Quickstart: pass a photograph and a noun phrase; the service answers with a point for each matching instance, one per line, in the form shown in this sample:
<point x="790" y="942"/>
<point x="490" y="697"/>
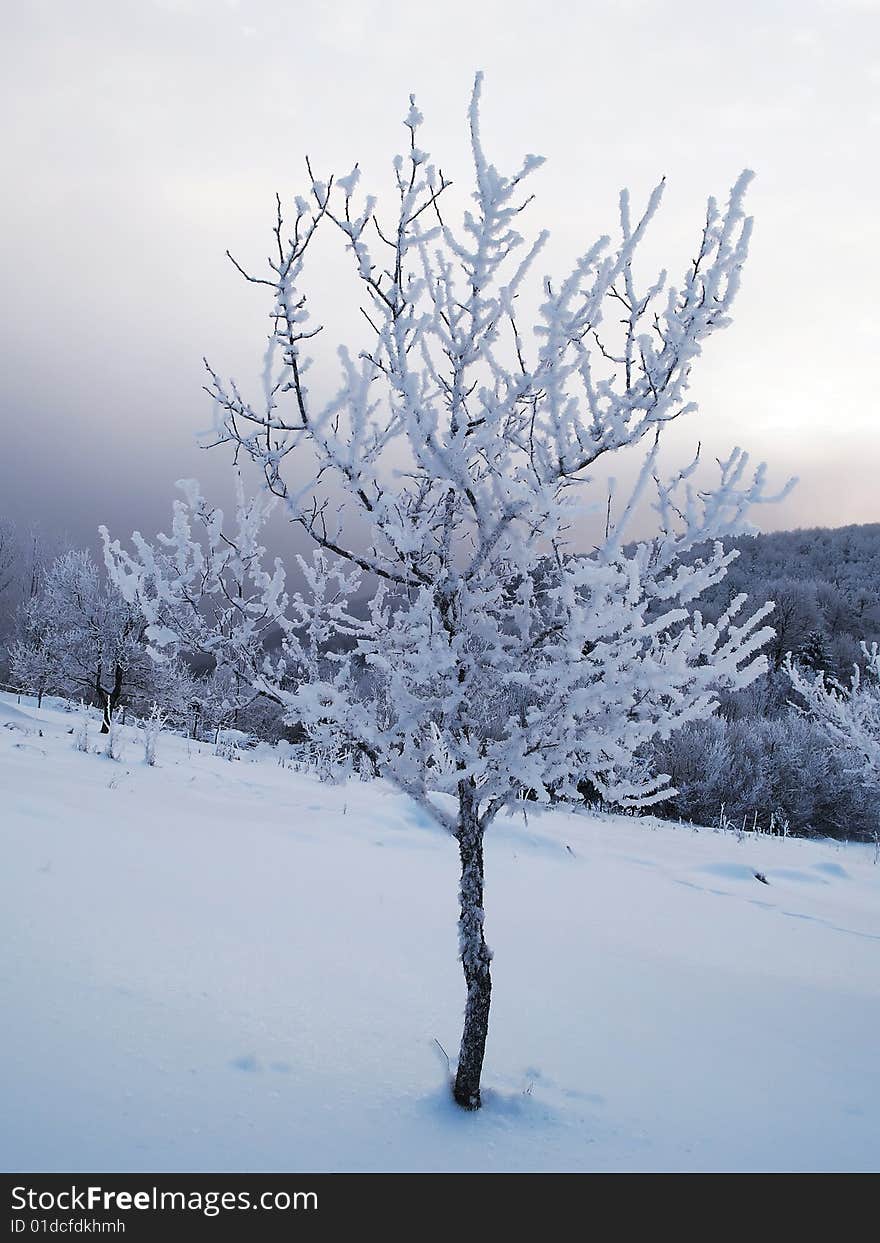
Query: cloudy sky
<point x="142" y="139"/>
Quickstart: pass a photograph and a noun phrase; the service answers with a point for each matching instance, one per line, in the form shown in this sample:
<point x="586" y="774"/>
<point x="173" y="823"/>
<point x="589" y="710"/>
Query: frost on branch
<point x="849" y="716"/>
<point x="534" y="665"/>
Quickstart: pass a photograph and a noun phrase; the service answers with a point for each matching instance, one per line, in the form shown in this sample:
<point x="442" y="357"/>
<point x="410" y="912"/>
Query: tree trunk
<point x="475" y="954"/>
<point x="109" y="699"/>
<point x="103" y="700"/>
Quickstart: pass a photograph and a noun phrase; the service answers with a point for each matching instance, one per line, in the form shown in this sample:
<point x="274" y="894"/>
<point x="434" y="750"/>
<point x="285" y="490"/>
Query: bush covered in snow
<point x="785" y="770"/>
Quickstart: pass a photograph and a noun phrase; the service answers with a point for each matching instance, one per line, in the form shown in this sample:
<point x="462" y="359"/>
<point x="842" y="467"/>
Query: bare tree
<point x="496" y="656"/>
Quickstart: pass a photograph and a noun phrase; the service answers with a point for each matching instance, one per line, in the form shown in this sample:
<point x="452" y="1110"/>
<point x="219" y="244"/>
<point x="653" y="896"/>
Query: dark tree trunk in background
<point x="109" y="700"/>
<point x="475" y="953"/>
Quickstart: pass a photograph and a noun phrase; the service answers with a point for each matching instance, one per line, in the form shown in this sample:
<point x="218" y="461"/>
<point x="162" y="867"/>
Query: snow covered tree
<point x="795" y="617"/>
<point x="848" y="715"/>
<point x="10" y="555"/>
<point x="33" y="667"/>
<point x="10" y="583"/>
<point x="446" y="479"/>
<point x="81" y="637"/>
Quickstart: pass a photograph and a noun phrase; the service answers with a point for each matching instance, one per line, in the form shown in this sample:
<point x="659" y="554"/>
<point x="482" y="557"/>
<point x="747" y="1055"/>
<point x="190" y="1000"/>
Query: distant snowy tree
<point x="795" y="617"/>
<point x="224" y="697"/>
<point x="81" y="637"/>
<point x="33" y="665"/>
<point x="172" y="688"/>
<point x="813" y="653"/>
<point x="9" y="555"/>
<point x="40" y="551"/>
<point x="446" y="479"/>
<point x="10" y="584"/>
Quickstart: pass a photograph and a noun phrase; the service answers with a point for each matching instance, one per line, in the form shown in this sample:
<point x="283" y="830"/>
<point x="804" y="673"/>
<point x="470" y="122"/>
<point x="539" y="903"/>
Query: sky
<point x="143" y="139"/>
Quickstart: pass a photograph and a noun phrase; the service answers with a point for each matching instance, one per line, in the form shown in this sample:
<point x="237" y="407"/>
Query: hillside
<point x="228" y="965"/>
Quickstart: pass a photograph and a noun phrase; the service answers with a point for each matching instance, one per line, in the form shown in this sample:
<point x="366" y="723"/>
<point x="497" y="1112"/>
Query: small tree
<point x="494" y="655"/>
<point x="153" y="726"/>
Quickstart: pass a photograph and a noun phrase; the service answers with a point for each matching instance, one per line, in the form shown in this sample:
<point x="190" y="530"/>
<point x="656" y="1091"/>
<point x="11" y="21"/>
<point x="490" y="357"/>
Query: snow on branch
<point x="484" y="653"/>
<point x="849" y="716"/>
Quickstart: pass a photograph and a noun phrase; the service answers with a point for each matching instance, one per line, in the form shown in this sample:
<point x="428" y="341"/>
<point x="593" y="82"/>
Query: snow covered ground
<point x="216" y="965"/>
